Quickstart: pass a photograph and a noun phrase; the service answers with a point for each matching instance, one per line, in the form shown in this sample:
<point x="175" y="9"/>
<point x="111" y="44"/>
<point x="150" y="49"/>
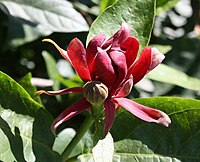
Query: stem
<point x="80" y="133"/>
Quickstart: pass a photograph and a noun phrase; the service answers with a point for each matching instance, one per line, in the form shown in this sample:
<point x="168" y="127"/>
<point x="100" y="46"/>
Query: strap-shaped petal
<point x="62" y="51"/>
<point x="143" y="112"/>
<point x="141" y="66"/>
<point x="109" y="115"/>
<point x="69" y="112"/>
<point x="103" y="69"/>
<point x="61" y="92"/>
<point x="131" y="46"/>
<point x="77" y="55"/>
<point x="91" y="50"/>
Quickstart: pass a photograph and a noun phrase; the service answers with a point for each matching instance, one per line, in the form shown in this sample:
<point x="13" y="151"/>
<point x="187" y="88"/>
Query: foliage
<point x="141" y="20"/>
<point x="25" y="26"/>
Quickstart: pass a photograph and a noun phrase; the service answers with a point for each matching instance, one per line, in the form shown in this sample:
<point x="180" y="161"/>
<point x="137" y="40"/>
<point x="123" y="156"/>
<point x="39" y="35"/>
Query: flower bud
<point x="95" y="92"/>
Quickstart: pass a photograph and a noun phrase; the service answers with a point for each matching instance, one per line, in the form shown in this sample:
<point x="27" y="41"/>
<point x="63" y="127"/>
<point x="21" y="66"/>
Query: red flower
<point x="109" y="70"/>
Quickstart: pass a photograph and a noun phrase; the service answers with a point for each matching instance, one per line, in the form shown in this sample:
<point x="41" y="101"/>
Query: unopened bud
<point x="95" y="92"/>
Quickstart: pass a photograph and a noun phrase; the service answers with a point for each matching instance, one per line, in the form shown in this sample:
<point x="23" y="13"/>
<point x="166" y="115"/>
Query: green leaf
<point x="138" y="14"/>
<point x="71" y="82"/>
<point x="106" y="3"/>
<point x="104" y="149"/>
<point x="29" y="20"/>
<point x="134" y="151"/>
<point x="162" y="48"/>
<point x="52" y="70"/>
<point x="167" y="74"/>
<point x="25" y="82"/>
<point x="164" y="5"/>
<point x="63" y="139"/>
<point x="184" y="56"/>
<point x="150" y="141"/>
<point x="12" y="91"/>
<point x="66" y="135"/>
<point x="24" y="125"/>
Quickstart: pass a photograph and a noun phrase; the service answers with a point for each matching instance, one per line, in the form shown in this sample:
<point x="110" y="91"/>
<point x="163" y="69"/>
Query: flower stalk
<point x="79" y="135"/>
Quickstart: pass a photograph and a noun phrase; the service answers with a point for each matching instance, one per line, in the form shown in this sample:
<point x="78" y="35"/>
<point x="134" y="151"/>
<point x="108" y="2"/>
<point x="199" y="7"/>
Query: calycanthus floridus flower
<point x="109" y="70"/>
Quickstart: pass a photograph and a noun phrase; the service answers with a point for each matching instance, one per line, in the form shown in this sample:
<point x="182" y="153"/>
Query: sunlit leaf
<point x="104" y="149"/>
<point x="167" y="74"/>
<point x="132" y="150"/>
<point x="24" y="125"/>
<point x="25" y="82"/>
<point x="153" y="142"/>
<point x="28" y="20"/>
<point x="138" y="14"/>
<point x="63" y="139"/>
<point x="164" y="5"/>
<point x="106" y="3"/>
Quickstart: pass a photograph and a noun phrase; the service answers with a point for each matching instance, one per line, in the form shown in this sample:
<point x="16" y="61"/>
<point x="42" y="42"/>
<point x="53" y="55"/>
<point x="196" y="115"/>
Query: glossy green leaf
<point x="138" y="14"/>
<point x="12" y="91"/>
<point x="153" y="142"/>
<point x="52" y="70"/>
<point x="164" y="5"/>
<point x="25" y="82"/>
<point x="24" y="125"/>
<point x="28" y="20"/>
<point x="167" y="74"/>
<point x="161" y="5"/>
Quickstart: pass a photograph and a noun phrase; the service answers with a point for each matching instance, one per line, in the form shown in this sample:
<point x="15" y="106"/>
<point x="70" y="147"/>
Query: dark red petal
<point x="119" y="62"/>
<point x="68" y="113"/>
<point x="131" y="46"/>
<point x="103" y="70"/>
<point x="126" y="87"/>
<point x="143" y="112"/>
<point x="61" y="92"/>
<point x="141" y="66"/>
<point x="77" y="55"/>
<point x="109" y="115"/>
<point x="92" y="48"/>
<point x="118" y="38"/>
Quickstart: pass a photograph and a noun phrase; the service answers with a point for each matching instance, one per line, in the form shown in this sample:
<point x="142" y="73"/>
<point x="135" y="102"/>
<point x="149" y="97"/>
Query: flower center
<point x="95" y="92"/>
